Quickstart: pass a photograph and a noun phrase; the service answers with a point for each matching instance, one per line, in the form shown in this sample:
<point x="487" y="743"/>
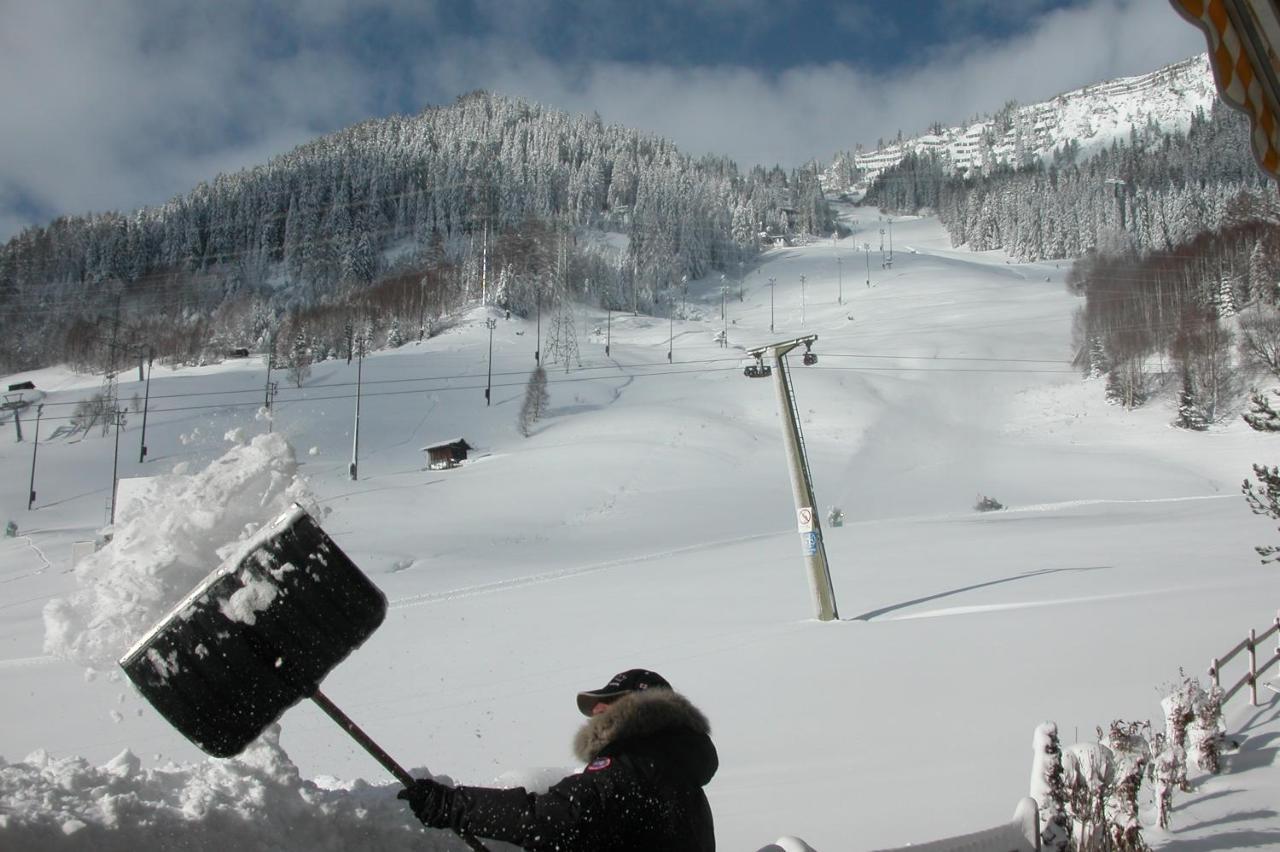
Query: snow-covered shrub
<point x="1207" y="730"/>
<point x="1178" y="715"/>
<point x="1131" y="752"/>
<point x="1169" y="772"/>
<point x="1088" y="771"/>
<point x="1049" y="789"/>
<point x="987" y="504"/>
<point x="1193" y="716"/>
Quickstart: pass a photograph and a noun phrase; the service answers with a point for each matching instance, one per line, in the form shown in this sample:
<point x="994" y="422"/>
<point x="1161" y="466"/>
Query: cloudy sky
<point x="115" y="104"/>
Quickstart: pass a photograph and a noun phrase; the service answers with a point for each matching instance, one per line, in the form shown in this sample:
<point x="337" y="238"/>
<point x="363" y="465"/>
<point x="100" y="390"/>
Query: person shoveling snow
<point x="648" y="754"/>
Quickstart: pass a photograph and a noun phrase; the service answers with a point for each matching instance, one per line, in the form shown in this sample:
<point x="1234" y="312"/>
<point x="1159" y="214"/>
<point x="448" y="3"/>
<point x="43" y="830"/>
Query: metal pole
<point x="537" y="346"/>
<point x="608" y="330"/>
<point x="271" y="355"/>
<point x="355" y="436"/>
<point x="17" y="424"/>
<point x="724" y="314"/>
<point x="840" y="273"/>
<point x="802" y="301"/>
<point x="815" y="552"/>
<point x="868" y="250"/>
<point x="772" y="282"/>
<point x="671" y="325"/>
<point x="146" y="400"/>
<point x="35" y="445"/>
<point x="115" y="465"/>
<point x="488" y="388"/>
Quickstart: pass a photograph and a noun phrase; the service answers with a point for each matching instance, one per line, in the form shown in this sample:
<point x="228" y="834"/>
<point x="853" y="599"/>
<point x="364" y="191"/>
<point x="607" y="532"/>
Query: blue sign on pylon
<point x="809" y="543"/>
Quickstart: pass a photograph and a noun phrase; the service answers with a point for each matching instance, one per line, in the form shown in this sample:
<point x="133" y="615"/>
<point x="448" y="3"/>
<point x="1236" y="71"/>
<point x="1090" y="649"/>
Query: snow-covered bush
<point x="1169" y="772"/>
<point x="1088" y="770"/>
<point x="1049" y="789"/>
<point x="1131" y="751"/>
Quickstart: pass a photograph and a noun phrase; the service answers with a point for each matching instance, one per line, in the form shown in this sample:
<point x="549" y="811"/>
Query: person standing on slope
<point x="648" y="754"/>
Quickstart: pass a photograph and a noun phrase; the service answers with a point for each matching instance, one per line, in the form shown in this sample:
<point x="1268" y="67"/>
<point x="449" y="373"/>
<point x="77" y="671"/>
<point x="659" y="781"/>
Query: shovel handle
<point x="344" y="721"/>
<point x="387" y="761"/>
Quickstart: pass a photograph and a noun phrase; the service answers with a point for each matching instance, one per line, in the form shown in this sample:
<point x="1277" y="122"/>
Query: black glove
<point x="429" y="802"/>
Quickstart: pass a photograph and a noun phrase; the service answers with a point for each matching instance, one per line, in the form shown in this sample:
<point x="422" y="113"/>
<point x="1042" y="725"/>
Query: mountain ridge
<point x="1083" y="121"/>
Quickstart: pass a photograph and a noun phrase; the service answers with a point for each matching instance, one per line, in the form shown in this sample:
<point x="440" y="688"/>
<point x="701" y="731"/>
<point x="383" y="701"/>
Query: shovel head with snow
<point x="256" y="636"/>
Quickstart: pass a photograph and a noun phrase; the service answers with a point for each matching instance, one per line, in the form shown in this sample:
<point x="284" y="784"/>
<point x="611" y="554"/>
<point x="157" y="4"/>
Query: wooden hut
<point x="446" y="454"/>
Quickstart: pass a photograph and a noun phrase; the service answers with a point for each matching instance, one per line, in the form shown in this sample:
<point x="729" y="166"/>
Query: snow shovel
<point x="258" y="635"/>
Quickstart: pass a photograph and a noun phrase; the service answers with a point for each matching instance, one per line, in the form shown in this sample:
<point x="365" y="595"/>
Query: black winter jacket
<point x="648" y="758"/>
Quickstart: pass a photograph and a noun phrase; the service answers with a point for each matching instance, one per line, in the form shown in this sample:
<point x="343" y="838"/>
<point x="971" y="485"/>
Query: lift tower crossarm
<point x="783" y="348"/>
<point x="812" y="546"/>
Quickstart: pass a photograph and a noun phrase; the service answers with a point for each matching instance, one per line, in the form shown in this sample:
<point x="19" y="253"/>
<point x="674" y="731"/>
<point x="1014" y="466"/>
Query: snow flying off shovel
<point x="257" y="636"/>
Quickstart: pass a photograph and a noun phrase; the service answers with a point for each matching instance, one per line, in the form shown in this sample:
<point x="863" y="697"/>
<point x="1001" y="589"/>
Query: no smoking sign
<point x="805" y="519"/>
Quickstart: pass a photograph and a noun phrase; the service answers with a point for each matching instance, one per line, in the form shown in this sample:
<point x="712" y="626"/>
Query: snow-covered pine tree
<point x="1265" y="501"/>
<point x="1261" y="417"/>
<point x="1190" y="413"/>
<point x="536" y="400"/>
<point x="299" y="364"/>
<point x="395" y="337"/>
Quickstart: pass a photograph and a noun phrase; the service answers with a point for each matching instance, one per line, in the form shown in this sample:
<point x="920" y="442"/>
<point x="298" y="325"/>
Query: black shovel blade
<point x="256" y="636"/>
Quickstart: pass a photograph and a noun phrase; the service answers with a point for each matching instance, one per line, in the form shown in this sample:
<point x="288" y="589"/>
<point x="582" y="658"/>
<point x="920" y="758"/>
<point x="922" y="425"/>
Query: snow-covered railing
<point x="1249" y="645"/>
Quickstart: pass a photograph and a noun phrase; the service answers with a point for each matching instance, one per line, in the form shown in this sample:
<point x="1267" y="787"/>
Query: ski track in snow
<point x="977" y="609"/>
<point x="27" y="662"/>
<point x="567" y="573"/>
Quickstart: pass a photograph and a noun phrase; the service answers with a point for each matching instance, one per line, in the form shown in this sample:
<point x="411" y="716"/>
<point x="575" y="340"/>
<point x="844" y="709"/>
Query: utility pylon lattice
<point x="562" y="344"/>
<point x="110" y="386"/>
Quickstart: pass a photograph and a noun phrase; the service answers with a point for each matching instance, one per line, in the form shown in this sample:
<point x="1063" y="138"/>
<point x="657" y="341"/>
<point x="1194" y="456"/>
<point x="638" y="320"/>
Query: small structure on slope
<point x="447" y="454"/>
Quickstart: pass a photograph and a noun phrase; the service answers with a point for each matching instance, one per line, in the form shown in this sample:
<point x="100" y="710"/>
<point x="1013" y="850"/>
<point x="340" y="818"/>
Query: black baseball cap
<point x="632" y="680"/>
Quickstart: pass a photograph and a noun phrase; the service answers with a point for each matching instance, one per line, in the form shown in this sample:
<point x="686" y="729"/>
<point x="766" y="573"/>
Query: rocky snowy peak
<point x="1091" y="118"/>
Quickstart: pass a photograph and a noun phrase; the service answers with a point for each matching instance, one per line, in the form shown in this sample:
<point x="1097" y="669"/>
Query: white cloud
<point x="113" y="108"/>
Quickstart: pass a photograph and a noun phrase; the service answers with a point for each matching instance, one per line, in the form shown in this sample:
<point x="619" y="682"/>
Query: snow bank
<point x="167" y="540"/>
<point x="256" y="801"/>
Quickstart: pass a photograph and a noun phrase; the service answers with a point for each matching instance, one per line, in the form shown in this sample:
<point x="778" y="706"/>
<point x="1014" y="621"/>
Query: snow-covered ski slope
<point x="648" y="521"/>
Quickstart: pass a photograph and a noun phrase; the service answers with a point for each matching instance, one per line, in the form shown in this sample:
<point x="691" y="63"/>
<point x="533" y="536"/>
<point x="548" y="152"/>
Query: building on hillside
<point x="447" y="454"/>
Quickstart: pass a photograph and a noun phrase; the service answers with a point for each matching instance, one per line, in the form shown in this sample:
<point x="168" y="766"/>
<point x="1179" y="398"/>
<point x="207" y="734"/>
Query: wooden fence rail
<point x="1250" y="678"/>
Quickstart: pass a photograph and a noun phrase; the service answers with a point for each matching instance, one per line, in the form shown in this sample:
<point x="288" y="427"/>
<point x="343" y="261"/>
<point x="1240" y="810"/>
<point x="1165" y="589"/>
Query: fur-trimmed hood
<point x="656" y="721"/>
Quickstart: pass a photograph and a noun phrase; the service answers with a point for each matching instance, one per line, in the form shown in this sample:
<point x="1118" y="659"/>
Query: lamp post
<point x="488" y="388"/>
<point x="608" y="328"/>
<point x="867" y="247"/>
<point x="671" y="323"/>
<point x="353" y="470"/>
<point x="772" y="283"/>
<point x="146" y="400"/>
<point x="115" y="463"/>
<point x="35" y="444"/>
<point x="840" y="276"/>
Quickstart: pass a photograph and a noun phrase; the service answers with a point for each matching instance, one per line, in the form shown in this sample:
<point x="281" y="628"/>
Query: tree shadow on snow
<point x="876" y="613"/>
